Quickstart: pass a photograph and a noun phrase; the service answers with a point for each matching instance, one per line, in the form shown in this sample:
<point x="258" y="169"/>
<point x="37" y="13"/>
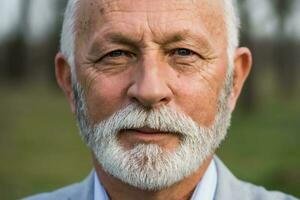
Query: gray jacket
<point x="228" y="188"/>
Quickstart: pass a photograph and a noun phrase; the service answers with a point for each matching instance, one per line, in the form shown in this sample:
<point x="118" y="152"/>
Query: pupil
<point x="184" y="52"/>
<point x="115" y="54"/>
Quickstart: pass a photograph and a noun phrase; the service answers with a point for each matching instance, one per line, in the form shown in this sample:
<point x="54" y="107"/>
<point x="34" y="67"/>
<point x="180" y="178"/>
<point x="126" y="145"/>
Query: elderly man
<point x="153" y="84"/>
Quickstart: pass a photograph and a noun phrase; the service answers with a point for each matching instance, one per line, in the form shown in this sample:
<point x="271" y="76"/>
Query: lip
<point x="146" y="130"/>
<point x="146" y="134"/>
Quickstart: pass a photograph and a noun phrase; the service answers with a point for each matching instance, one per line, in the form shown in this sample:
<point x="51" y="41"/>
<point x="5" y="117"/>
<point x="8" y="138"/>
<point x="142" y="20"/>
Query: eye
<point x="117" y="56"/>
<point x="183" y="52"/>
<point x="117" y="53"/>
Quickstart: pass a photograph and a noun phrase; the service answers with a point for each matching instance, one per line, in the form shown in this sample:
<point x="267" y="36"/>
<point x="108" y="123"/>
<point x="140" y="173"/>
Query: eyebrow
<point x="116" y="38"/>
<point x="120" y="38"/>
<point x="186" y="36"/>
<point x="175" y="37"/>
<point x="169" y="38"/>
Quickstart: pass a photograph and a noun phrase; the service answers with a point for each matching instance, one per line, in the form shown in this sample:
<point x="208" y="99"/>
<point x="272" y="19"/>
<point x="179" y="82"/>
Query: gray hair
<point x="67" y="43"/>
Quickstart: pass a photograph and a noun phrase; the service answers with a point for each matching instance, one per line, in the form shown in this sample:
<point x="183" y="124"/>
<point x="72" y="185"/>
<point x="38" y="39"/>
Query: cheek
<point x="199" y="103"/>
<point x="198" y="95"/>
<point x="105" y="96"/>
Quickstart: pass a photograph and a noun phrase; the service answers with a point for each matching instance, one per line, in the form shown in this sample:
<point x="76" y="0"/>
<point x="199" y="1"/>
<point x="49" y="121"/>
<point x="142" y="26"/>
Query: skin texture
<point x="154" y="53"/>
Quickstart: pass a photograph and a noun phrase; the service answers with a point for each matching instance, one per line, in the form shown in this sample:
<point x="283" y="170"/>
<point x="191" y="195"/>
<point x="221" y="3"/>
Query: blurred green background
<point x="39" y="144"/>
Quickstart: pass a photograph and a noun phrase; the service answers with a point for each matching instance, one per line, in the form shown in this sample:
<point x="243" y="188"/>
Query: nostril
<point x="134" y="100"/>
<point x="164" y="99"/>
<point x="150" y="92"/>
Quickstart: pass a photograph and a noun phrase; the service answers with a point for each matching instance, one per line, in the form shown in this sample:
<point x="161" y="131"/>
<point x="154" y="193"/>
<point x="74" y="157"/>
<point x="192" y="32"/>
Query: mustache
<point x="163" y="119"/>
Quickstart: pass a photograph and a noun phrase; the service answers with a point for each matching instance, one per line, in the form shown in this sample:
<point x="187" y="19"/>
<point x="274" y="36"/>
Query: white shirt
<point x="205" y="189"/>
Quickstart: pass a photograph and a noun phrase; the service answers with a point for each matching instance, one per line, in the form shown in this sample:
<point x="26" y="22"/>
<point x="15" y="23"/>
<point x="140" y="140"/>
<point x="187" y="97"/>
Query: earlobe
<point x="242" y="67"/>
<point x="63" y="77"/>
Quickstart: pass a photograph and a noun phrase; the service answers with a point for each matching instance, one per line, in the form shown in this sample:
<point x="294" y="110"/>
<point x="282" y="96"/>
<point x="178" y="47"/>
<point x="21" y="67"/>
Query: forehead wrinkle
<point x="213" y="27"/>
<point x="212" y="15"/>
<point x="112" y="6"/>
<point x="183" y="35"/>
<point x="116" y="37"/>
<point x="118" y="34"/>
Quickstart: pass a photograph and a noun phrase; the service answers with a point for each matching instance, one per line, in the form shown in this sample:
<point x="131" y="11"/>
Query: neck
<point x="182" y="190"/>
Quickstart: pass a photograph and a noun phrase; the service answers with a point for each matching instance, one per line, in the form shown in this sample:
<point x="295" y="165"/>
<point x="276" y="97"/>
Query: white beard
<point x="149" y="166"/>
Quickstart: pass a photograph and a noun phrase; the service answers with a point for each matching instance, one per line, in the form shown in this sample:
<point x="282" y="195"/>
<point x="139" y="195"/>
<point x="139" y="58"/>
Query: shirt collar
<point x="99" y="192"/>
<point x="205" y="189"/>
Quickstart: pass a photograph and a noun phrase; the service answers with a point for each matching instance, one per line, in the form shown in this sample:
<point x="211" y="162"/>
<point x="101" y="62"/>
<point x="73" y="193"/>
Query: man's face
<point x="155" y="53"/>
<point x="150" y="95"/>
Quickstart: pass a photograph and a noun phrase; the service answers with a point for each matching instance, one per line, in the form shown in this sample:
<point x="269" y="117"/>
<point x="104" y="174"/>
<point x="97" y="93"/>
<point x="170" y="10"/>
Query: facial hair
<point x="149" y="166"/>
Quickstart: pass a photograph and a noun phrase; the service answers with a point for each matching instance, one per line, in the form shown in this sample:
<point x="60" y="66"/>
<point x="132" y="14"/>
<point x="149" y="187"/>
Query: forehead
<point x="146" y="5"/>
<point x="161" y="15"/>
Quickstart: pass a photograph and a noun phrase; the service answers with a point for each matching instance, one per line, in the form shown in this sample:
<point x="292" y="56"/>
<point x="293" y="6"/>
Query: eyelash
<point x="173" y="52"/>
<point x="122" y="52"/>
<point x="188" y="51"/>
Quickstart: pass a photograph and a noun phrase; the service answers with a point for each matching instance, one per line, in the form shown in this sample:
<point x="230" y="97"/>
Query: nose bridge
<point x="150" y="87"/>
<point x="151" y="68"/>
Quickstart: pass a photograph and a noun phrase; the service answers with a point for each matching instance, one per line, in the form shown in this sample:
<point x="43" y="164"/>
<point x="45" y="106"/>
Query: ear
<point x="63" y="77"/>
<point x="242" y="66"/>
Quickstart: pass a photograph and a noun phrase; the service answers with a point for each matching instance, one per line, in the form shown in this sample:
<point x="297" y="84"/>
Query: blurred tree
<point x="16" y="59"/>
<point x="285" y="57"/>
<point x="282" y="9"/>
<point x="249" y="97"/>
<point x="54" y="39"/>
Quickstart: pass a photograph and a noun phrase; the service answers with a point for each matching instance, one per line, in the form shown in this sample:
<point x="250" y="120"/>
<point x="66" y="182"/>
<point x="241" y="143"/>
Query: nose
<point x="150" y="88"/>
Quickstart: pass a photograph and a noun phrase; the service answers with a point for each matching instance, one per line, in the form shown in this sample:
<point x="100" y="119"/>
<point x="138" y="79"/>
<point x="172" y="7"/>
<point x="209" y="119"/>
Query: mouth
<point x="146" y="134"/>
<point x="146" y="130"/>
